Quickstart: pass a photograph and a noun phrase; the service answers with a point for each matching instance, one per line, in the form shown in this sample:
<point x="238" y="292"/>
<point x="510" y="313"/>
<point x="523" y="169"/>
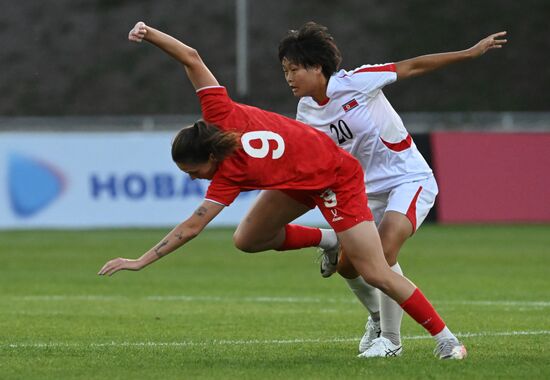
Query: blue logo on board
<point x="33" y="184"/>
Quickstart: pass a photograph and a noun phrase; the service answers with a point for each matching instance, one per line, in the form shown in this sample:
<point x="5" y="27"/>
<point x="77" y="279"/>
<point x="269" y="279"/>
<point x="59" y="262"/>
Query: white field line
<point x="248" y="342"/>
<point x="185" y="298"/>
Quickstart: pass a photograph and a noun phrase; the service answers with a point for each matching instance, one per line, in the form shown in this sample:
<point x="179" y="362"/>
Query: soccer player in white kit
<point x="351" y="108"/>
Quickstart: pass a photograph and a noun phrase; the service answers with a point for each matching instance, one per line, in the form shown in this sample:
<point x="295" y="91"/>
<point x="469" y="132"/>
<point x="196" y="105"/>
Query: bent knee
<point x="391" y="255"/>
<point x="391" y="247"/>
<point x="391" y="244"/>
<point x="378" y="281"/>
<point x="243" y="243"/>
<point x="346" y="269"/>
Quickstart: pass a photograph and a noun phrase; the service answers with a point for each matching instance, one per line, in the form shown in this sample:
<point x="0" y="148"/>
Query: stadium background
<point x="85" y="125"/>
<point x="67" y="67"/>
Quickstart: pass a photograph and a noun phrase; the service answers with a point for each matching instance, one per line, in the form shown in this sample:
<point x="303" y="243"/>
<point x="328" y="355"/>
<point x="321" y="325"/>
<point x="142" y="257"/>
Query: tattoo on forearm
<point x="201" y="211"/>
<point x="157" y="248"/>
<point x="179" y="235"/>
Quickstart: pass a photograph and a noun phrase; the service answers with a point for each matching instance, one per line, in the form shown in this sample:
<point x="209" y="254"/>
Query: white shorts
<point x="412" y="199"/>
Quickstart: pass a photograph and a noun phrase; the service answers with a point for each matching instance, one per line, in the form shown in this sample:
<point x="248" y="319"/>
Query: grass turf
<point x="209" y="311"/>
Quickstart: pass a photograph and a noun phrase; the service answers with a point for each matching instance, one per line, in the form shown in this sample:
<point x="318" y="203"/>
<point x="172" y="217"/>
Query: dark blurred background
<point x="72" y="57"/>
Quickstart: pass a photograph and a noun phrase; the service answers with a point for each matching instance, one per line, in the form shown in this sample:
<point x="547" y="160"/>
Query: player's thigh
<point x="271" y="211"/>
<point x="394" y="229"/>
<point x="363" y="249"/>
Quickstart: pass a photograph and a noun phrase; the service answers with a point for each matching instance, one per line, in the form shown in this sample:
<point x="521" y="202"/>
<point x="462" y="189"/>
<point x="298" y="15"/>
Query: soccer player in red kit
<point x="239" y="148"/>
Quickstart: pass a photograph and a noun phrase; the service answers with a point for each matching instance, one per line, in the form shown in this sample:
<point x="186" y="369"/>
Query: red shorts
<point x="343" y="203"/>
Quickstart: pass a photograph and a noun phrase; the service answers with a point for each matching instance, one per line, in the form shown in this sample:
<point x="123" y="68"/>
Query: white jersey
<point x="359" y="118"/>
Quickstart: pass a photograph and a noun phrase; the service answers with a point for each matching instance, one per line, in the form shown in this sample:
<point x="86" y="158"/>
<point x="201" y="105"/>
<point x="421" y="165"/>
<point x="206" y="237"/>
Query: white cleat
<point x="372" y="331"/>
<point x="382" y="348"/>
<point x="450" y="349"/>
<point x="329" y="260"/>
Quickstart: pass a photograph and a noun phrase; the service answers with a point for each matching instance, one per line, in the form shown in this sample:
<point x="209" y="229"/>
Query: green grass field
<point x="209" y="311"/>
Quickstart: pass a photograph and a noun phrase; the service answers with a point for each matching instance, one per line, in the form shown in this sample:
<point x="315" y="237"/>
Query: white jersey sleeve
<point x="368" y="79"/>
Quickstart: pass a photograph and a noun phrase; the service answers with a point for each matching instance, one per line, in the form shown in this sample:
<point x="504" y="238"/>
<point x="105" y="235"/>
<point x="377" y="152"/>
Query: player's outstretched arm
<point x="199" y="75"/>
<point x="426" y="63"/>
<point x="180" y="235"/>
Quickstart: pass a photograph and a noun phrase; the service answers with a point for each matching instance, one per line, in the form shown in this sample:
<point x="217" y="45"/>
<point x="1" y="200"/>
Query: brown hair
<point x="194" y="144"/>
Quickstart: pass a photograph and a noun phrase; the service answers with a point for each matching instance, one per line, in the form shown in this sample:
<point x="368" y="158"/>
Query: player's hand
<point x="494" y="41"/>
<point x="138" y="32"/>
<point x="113" y="266"/>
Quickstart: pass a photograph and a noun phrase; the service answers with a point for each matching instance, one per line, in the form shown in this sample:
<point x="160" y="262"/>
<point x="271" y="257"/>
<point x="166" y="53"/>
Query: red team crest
<point x="350" y="105"/>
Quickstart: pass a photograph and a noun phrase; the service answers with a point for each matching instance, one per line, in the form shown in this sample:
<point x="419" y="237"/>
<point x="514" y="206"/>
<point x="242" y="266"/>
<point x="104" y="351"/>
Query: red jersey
<point x="275" y="152"/>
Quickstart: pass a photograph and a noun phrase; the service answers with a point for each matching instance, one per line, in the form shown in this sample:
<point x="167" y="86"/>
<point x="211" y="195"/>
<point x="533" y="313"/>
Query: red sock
<point x="422" y="311"/>
<point x="300" y="237"/>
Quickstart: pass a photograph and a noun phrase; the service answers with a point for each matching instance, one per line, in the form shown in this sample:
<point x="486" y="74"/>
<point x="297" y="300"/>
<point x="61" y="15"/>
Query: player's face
<point x="205" y="170"/>
<point x="302" y="81"/>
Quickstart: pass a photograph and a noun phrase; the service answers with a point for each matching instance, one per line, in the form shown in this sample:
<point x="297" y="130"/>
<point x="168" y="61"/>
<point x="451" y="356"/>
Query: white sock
<point x="444" y="335"/>
<point x="328" y="238"/>
<point x="366" y="294"/>
<point x="391" y="314"/>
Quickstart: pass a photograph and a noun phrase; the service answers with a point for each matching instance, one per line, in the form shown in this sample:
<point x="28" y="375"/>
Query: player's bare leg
<point x="266" y="226"/>
<point x="363" y="248"/>
<point x="368" y="295"/>
<point x="263" y="226"/>
<point x="397" y="214"/>
<point x="394" y="229"/>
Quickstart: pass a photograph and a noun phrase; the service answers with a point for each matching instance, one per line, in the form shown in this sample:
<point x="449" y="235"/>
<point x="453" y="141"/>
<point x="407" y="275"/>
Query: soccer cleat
<point x="329" y="260"/>
<point x="450" y="349"/>
<point x="372" y="331"/>
<point x="381" y="348"/>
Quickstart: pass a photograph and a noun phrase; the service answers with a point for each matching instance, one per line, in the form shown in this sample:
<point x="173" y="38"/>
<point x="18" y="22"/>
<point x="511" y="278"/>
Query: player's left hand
<point x="494" y="41"/>
<point x="113" y="266"/>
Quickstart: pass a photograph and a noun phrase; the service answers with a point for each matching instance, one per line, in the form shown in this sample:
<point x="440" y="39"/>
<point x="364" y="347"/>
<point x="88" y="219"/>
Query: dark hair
<point x="309" y="46"/>
<point x="194" y="144"/>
